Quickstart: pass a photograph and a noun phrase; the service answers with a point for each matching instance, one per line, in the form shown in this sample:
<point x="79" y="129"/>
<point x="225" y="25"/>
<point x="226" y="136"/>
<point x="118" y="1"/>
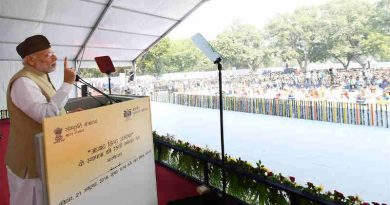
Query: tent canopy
<point x="84" y="29"/>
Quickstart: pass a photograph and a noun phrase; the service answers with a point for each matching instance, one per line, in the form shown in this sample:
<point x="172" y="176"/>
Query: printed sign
<point x="101" y="156"/>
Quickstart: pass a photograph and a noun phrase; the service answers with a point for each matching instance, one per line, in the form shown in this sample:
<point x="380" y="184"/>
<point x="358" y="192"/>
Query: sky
<point x="214" y="16"/>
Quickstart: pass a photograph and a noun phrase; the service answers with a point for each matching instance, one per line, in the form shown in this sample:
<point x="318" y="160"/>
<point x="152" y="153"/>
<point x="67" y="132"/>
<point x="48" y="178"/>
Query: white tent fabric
<point x="84" y="29"/>
<point x="122" y="29"/>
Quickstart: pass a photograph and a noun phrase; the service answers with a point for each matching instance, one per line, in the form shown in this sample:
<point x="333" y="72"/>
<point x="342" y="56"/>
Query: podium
<point x="102" y="155"/>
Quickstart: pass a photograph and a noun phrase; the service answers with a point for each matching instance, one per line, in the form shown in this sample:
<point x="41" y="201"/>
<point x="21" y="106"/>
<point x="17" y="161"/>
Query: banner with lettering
<point x="101" y="156"/>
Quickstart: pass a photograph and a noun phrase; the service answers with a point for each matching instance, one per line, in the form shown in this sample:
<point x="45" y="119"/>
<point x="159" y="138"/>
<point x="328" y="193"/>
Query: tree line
<point x="339" y="31"/>
<point x="342" y="31"/>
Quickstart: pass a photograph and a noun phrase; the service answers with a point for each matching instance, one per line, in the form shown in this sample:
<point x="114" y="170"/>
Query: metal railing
<point x="206" y="165"/>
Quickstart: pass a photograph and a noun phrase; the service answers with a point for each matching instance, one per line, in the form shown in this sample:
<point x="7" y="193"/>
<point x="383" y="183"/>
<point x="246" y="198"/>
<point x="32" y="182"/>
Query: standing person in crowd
<point x="332" y="76"/>
<point x="30" y="98"/>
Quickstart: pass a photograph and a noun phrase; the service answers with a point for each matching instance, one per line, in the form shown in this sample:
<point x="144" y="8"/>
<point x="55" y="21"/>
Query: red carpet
<point x="4" y="193"/>
<point x="171" y="186"/>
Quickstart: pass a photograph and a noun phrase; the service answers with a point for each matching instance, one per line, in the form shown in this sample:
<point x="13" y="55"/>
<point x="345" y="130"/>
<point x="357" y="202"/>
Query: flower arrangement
<point x="245" y="188"/>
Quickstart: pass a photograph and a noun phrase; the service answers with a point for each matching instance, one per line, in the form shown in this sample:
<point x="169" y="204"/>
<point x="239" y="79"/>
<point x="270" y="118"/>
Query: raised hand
<point x="69" y="73"/>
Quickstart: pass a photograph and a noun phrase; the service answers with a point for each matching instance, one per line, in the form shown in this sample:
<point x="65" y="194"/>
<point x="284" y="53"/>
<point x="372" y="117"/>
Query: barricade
<point x="369" y="114"/>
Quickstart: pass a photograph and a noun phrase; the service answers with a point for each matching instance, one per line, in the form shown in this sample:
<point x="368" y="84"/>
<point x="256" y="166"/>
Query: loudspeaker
<point x="84" y="91"/>
<point x="131" y="76"/>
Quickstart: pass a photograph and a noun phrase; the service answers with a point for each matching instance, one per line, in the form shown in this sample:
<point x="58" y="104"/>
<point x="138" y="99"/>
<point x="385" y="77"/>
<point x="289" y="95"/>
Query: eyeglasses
<point x="46" y="55"/>
<point x="50" y="54"/>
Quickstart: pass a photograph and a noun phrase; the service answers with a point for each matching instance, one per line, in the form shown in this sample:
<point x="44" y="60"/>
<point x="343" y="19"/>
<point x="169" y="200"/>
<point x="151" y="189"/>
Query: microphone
<point x="79" y="79"/>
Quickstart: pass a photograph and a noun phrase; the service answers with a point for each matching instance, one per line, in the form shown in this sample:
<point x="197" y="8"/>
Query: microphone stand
<point x="218" y="62"/>
<point x="78" y="79"/>
<point x="90" y="95"/>
<point x="215" y="57"/>
<point x="109" y="83"/>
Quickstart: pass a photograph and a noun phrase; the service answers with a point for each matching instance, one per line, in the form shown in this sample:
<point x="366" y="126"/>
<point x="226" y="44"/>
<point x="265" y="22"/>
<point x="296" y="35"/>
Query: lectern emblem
<point x="127" y="114"/>
<point x="59" y="137"/>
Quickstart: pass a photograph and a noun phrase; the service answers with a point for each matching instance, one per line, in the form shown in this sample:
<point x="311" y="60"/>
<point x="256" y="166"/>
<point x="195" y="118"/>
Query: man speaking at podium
<point x="30" y="98"/>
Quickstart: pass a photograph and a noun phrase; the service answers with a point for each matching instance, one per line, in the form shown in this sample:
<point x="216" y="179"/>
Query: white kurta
<point x="24" y="191"/>
<point x="27" y="96"/>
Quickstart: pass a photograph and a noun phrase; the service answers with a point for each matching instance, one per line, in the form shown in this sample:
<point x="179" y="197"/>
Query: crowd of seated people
<point x="365" y="86"/>
<point x="353" y="85"/>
